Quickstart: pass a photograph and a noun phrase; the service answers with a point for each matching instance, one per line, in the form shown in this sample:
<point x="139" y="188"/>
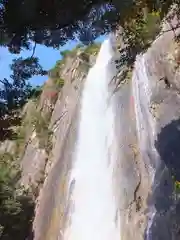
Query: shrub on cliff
<point x="35" y="92"/>
<point x="40" y="124"/>
<point x="33" y="120"/>
<point x="16" y="210"/>
<point x="71" y="53"/>
<point x="11" y="107"/>
<point x="59" y="82"/>
<point x="54" y="72"/>
<point x="85" y="53"/>
<point x="92" y="49"/>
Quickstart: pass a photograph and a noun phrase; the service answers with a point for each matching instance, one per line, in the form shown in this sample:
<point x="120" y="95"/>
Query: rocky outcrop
<point x="44" y="142"/>
<point x="52" y="202"/>
<point x="148" y="163"/>
<point x="145" y="165"/>
<point x="147" y="137"/>
<point x="163" y="74"/>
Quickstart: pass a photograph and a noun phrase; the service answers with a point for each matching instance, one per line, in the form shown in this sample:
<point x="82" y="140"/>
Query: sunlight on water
<point x="94" y="204"/>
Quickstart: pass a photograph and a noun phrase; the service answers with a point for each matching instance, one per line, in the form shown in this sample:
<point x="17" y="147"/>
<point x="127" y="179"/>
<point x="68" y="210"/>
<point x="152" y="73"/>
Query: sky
<point x="47" y="58"/>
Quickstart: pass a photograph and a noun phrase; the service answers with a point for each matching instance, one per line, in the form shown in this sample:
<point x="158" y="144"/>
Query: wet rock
<point x="162" y="71"/>
<point x="50" y="217"/>
<point x="149" y="203"/>
<point x="149" y="206"/>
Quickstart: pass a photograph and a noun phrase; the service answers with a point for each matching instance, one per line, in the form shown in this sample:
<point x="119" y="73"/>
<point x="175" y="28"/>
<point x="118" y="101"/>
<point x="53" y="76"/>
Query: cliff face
<point x="52" y="201"/>
<point x="162" y="66"/>
<point x="45" y="142"/>
<point x="148" y="139"/>
<point x="145" y="167"/>
<point x="146" y="104"/>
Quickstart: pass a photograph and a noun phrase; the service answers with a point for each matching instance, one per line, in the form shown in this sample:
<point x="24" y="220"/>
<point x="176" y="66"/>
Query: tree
<point x="53" y="23"/>
<point x="14" y="93"/>
<point x="16" y="209"/>
<point x="25" y="23"/>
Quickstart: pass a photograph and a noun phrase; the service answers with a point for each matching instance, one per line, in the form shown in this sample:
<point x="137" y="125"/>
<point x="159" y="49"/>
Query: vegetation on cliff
<point x="16" y="203"/>
<point x="16" y="206"/>
<point x="15" y="92"/>
<point x="44" y="22"/>
<point x="84" y="52"/>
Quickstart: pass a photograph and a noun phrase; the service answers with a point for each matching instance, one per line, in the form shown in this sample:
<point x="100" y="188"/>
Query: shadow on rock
<point x="16" y="217"/>
<point x="166" y="223"/>
<point x="168" y="147"/>
<point x="7" y="127"/>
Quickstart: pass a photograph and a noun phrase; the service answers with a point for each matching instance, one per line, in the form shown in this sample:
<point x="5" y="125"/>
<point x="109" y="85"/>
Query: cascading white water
<point x="142" y="94"/>
<point x="94" y="211"/>
<point x="145" y="123"/>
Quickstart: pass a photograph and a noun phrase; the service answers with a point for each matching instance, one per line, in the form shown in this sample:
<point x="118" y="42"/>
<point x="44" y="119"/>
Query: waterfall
<point x="145" y="123"/>
<point x="142" y="94"/>
<point x="93" y="214"/>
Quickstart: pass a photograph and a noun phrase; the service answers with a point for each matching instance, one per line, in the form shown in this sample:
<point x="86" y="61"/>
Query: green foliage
<point x="9" y="168"/>
<point x="142" y="31"/>
<point x="65" y="53"/>
<point x="177" y="186"/>
<point x="129" y="75"/>
<point x="59" y="82"/>
<point x="40" y="124"/>
<point x="16" y="205"/>
<point x="38" y="121"/>
<point x="45" y="141"/>
<point x="6" y="158"/>
<point x="92" y="49"/>
<point x="138" y="34"/>
<point x="86" y="51"/>
<point x="14" y="99"/>
<point x="16" y="210"/>
<point x="45" y="23"/>
<point x="24" y="69"/>
<point x="39" y="22"/>
<point x="33" y="120"/>
<point x="14" y="93"/>
<point x="35" y="92"/>
<point x="20" y="141"/>
<point x="54" y="72"/>
<point x="152" y="26"/>
<point x="73" y="52"/>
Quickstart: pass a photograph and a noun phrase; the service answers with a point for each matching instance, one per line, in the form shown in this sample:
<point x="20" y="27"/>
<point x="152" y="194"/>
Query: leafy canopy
<point x="25" y="23"/>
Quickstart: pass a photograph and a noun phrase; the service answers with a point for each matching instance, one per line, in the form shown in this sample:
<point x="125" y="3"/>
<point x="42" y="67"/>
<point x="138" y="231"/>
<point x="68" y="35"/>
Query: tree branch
<point x="5" y="81"/>
<point x="34" y="49"/>
<point x="169" y="30"/>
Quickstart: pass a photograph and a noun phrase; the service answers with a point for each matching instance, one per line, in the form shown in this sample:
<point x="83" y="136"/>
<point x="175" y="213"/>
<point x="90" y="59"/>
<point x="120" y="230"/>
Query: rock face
<point x="163" y="73"/>
<point x="52" y="202"/>
<point x="147" y="137"/>
<point x="148" y="164"/>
